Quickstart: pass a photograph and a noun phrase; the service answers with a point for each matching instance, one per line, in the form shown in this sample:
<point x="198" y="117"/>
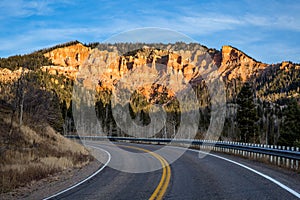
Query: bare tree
<point x="18" y="102"/>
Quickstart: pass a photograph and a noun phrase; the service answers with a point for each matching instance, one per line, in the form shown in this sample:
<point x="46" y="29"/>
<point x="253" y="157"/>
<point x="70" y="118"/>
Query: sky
<point x="265" y="30"/>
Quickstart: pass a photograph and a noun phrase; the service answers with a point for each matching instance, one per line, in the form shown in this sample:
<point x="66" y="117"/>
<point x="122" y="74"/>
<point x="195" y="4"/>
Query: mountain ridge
<point x="67" y="58"/>
<point x="105" y="67"/>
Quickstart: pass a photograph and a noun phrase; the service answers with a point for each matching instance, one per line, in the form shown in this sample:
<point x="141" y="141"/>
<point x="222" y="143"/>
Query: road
<point x="189" y="177"/>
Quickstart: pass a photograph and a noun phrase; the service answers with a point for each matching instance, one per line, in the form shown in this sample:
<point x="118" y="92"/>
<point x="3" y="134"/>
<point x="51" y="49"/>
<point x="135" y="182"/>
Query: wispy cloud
<point x="280" y="21"/>
<point x="23" y="8"/>
<point x="207" y="24"/>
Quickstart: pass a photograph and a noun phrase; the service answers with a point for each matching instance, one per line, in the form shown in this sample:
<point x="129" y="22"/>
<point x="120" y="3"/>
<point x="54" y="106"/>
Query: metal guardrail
<point x="276" y="151"/>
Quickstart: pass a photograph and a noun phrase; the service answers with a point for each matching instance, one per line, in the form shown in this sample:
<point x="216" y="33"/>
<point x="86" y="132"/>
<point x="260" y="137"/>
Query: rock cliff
<point x="7" y="76"/>
<point x="73" y="55"/>
<point x="67" y="60"/>
<point x="236" y="64"/>
<point x="232" y="63"/>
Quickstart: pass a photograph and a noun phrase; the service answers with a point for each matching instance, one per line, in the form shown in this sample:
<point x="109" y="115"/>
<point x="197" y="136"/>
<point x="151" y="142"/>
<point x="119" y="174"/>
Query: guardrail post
<point x="271" y="157"/>
<point x="260" y="155"/>
<point x="226" y="149"/>
<point x="256" y="154"/>
<point x="241" y="151"/>
<point x="276" y="157"/>
<point x="268" y="156"/>
<point x="292" y="160"/>
<point x="279" y="158"/>
<point x="221" y="148"/>
<point x="297" y="161"/>
<point x="214" y="147"/>
<point x="287" y="160"/>
<point x="248" y="154"/>
<point x="283" y="159"/>
<point x="234" y="150"/>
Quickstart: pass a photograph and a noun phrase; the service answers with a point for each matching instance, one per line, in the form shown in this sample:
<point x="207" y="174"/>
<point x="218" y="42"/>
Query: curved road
<point x="190" y="177"/>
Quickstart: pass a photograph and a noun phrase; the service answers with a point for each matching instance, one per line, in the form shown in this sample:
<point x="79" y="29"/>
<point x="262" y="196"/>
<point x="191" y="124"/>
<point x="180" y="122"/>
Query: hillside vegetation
<point x="33" y="151"/>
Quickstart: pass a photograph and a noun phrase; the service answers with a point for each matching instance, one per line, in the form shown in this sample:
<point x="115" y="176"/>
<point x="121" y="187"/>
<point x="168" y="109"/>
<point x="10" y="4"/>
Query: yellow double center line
<point x="161" y="189"/>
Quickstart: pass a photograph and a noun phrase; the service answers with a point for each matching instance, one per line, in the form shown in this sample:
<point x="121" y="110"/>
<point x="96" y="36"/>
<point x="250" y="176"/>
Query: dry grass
<point x="30" y="154"/>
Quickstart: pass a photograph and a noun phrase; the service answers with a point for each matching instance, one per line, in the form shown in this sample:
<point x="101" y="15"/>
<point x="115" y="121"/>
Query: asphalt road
<point x="190" y="177"/>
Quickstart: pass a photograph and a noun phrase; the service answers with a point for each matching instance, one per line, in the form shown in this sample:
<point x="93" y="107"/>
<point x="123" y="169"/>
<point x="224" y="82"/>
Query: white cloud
<point x="187" y="23"/>
<point x="208" y="24"/>
<point x="150" y="35"/>
<point x="280" y="21"/>
<point x="23" y="8"/>
<point x="256" y="20"/>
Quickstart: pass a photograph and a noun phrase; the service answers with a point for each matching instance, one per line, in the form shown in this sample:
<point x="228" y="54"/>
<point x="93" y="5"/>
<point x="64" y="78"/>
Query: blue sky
<point x="266" y="30"/>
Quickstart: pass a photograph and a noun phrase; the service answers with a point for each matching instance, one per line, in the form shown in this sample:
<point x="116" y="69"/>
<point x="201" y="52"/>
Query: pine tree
<point x="290" y="128"/>
<point x="247" y="114"/>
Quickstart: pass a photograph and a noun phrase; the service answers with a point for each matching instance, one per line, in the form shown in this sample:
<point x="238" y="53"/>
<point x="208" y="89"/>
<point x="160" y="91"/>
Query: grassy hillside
<point x="33" y="151"/>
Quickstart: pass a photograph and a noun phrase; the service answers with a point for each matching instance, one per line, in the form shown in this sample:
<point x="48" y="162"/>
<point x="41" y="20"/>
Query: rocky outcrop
<point x="235" y="64"/>
<point x="70" y="71"/>
<point x="73" y="55"/>
<point x="105" y="70"/>
<point x="286" y="66"/>
<point x="8" y="76"/>
<point x="192" y="64"/>
<point x="67" y="60"/>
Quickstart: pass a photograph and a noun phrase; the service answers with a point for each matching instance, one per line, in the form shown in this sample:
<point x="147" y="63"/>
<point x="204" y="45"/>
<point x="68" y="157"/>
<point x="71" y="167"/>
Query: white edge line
<point x="250" y="169"/>
<point x="88" y="178"/>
